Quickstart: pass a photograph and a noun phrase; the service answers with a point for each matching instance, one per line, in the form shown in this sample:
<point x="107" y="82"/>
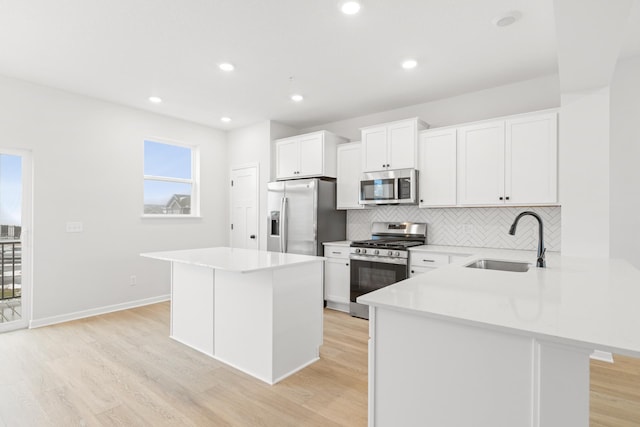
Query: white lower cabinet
<point x="421" y="261"/>
<point x="336" y="277"/>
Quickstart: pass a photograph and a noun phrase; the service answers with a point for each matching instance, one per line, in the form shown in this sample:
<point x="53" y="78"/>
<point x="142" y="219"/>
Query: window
<point x="170" y="184"/>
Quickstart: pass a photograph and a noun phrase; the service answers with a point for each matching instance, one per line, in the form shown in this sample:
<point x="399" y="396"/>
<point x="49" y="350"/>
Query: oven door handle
<point x="382" y="260"/>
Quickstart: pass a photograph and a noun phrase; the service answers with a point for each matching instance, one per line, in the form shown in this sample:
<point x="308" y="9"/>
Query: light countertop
<point x="593" y="303"/>
<point x="233" y="259"/>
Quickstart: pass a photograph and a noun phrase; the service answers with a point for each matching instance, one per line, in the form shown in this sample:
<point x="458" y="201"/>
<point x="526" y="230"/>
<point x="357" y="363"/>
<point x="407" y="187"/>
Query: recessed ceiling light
<point x="409" y="64"/>
<point x="225" y="119"/>
<point x="225" y="66"/>
<point x="155" y="99"/>
<point x="506" y="19"/>
<point x="350" y="7"/>
<point x="297" y="97"/>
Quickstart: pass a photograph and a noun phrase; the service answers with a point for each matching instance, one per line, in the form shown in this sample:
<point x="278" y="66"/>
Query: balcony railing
<point x="10" y="269"/>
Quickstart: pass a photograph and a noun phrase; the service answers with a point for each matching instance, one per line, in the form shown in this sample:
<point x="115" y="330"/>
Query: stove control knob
<point x="397" y="253"/>
<point x="376" y="252"/>
<point x="357" y="251"/>
<point x="364" y="251"/>
<point x="390" y="253"/>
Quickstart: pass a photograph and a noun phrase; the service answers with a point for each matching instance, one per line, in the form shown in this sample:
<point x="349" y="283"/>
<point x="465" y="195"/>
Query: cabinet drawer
<point x="414" y="271"/>
<point x="336" y="252"/>
<point x="458" y="258"/>
<point x="423" y="259"/>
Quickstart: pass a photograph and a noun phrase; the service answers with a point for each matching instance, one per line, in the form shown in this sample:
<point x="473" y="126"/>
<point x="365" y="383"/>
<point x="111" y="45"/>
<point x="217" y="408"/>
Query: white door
<point x="348" y="181"/>
<point x="244" y="207"/>
<point x="437" y="166"/>
<point x="311" y="155"/>
<point x="481" y="164"/>
<point x="402" y="145"/>
<point x="287" y="159"/>
<point x="374" y="149"/>
<point x="531" y="159"/>
<point x="15" y="239"/>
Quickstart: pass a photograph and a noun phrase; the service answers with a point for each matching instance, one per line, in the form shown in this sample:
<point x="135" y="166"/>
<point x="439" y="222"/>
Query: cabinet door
<point x="349" y="172"/>
<point x="402" y="140"/>
<point x="287" y="158"/>
<point x="311" y="155"/>
<point x="437" y="168"/>
<point x="336" y="280"/>
<point x="531" y="159"/>
<point x="481" y="164"/>
<point x="374" y="149"/>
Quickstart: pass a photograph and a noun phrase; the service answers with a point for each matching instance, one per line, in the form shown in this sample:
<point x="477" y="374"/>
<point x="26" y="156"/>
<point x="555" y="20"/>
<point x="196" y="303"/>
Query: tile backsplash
<point x="479" y="227"/>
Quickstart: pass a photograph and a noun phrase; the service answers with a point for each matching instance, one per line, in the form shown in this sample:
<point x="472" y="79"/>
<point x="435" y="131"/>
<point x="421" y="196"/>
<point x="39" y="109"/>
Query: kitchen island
<point x="462" y="346"/>
<point x="258" y="311"/>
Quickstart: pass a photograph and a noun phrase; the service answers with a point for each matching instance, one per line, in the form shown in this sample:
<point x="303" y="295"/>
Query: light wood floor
<point x="122" y="369"/>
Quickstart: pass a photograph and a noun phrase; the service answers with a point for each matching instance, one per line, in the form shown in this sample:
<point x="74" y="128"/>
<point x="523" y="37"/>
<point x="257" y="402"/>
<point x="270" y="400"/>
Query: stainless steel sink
<point x="493" y="264"/>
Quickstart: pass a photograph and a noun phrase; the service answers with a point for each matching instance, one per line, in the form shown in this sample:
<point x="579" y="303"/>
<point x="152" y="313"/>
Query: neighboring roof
<point x="182" y="200"/>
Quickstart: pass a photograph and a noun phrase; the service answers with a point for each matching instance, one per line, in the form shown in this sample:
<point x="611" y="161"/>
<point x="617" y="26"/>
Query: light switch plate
<point x="74" y="227"/>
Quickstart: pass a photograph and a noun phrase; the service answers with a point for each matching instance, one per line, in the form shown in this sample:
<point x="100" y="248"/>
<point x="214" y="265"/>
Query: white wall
<point x="522" y="97"/>
<point x="87" y="162"/>
<point x="625" y="161"/>
<point x="584" y="173"/>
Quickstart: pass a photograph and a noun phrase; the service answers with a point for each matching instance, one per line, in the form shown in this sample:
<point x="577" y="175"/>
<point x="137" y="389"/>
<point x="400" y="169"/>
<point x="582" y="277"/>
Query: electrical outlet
<point x="133" y="281"/>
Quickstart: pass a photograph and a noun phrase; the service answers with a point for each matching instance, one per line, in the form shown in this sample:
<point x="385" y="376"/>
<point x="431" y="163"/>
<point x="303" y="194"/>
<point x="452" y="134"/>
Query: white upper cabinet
<point x="437" y="168"/>
<point x="509" y="162"/>
<point x="391" y="145"/>
<point x="349" y="172"/>
<point x="308" y="155"/>
<point x="481" y="164"/>
<point x="531" y="159"/>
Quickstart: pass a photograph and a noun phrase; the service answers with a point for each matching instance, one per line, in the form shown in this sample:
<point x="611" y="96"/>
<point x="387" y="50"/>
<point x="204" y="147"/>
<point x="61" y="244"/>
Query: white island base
<point x="265" y="319"/>
<point x="432" y="372"/>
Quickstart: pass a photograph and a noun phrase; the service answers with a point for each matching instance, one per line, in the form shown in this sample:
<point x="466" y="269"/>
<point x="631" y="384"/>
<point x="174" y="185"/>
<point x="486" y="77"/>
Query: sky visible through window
<point x="167" y="161"/>
<point x="10" y="189"/>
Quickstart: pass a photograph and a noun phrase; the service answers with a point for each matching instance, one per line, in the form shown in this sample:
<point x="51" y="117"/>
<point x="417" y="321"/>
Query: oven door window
<point x="368" y="276"/>
<point x="378" y="189"/>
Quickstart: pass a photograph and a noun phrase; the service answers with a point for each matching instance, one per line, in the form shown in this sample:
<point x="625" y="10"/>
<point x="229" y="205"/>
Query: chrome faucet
<point x="541" y="249"/>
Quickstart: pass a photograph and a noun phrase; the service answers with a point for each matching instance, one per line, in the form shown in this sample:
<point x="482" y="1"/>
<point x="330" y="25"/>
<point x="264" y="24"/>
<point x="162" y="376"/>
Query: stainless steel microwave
<point x="391" y="187"/>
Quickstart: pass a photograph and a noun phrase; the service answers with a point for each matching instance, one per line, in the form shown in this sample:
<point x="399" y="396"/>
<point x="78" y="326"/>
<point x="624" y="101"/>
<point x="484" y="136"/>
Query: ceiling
<point x="124" y="51"/>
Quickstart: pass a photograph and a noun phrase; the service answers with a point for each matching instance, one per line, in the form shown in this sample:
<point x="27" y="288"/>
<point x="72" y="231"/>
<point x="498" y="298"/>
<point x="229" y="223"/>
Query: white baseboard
<point x="602" y="355"/>
<point x="38" y="323"/>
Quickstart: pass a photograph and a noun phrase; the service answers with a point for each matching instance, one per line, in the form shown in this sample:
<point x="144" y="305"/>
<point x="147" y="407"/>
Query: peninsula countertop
<point x="589" y="302"/>
<point x="233" y="259"/>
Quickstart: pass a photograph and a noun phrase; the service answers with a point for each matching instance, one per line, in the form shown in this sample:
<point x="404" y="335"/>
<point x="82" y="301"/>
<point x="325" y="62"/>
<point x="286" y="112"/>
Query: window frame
<point x="194" y="181"/>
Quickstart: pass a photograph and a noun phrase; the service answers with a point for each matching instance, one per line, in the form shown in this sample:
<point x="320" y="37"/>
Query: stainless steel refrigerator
<point x="302" y="215"/>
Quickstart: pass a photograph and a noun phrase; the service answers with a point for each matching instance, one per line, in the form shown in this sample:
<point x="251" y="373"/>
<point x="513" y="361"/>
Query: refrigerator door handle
<point x="283" y="226"/>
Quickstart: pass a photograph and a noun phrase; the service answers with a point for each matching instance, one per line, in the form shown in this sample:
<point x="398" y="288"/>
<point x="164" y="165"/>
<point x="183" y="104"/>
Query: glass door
<point x="14" y="220"/>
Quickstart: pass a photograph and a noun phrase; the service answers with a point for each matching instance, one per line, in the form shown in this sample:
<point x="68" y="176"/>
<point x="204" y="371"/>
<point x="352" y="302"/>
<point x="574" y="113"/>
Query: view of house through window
<point x="169" y="184"/>
<point x="10" y="244"/>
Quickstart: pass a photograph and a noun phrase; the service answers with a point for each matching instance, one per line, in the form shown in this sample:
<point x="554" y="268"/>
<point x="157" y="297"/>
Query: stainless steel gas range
<point x="383" y="260"/>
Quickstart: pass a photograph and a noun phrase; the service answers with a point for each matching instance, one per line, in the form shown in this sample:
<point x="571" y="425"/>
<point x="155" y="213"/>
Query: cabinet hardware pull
<point x="428" y="260"/>
<point x="501" y="198"/>
<point x="347" y="264"/>
<point x="337" y="253"/>
<point x="412" y="271"/>
<point x="507" y="197"/>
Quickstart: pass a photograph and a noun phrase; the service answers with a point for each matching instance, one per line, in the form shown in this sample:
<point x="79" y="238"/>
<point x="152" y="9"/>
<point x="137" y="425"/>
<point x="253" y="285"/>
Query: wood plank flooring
<point x="122" y="369"/>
